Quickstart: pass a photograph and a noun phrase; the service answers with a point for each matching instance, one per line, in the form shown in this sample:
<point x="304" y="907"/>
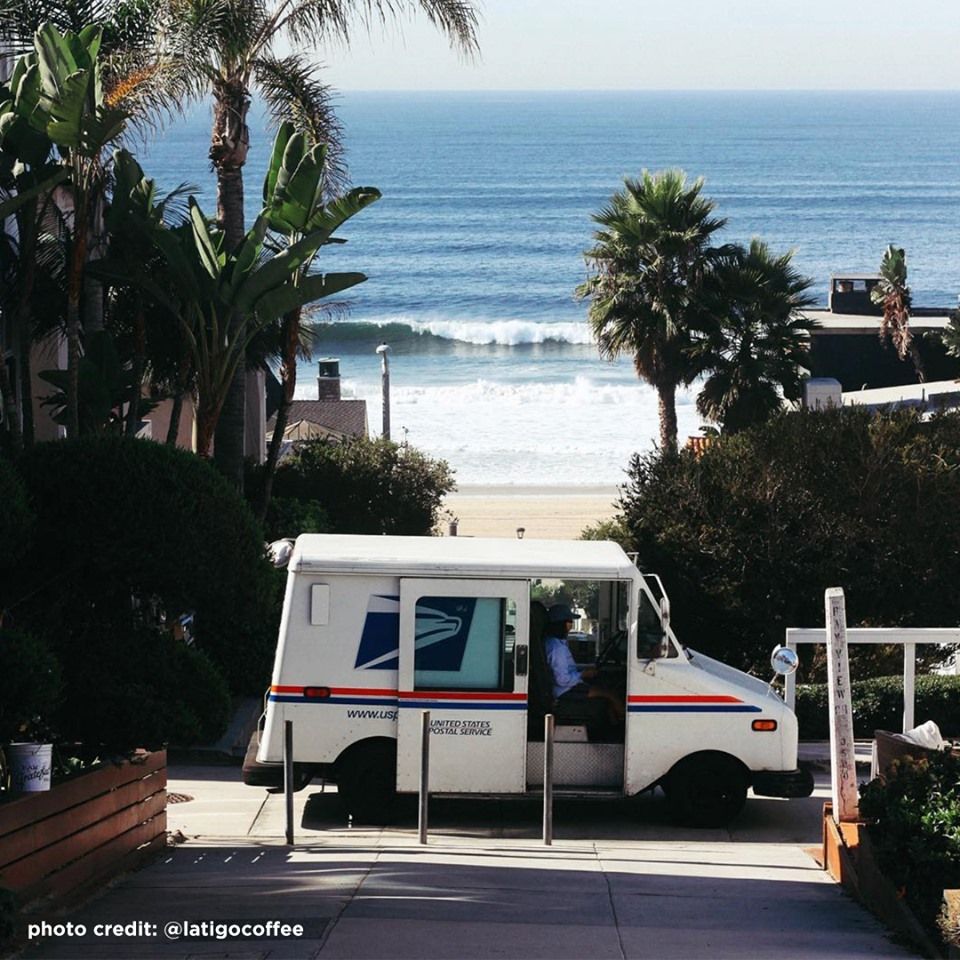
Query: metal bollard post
<point x="288" y="775"/>
<point x="548" y="779"/>
<point x="424" y="772"/>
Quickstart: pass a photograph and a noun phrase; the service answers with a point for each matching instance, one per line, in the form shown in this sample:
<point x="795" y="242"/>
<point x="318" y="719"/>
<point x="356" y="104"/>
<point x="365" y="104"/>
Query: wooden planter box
<point x="56" y="844"/>
<point x="849" y="858"/>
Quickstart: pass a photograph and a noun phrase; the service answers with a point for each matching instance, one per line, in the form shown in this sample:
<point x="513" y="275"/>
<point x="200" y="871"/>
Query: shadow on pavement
<point x="366" y="901"/>
<point x="763" y="820"/>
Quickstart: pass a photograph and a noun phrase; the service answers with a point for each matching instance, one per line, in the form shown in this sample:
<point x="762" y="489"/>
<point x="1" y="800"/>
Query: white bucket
<point x="29" y="766"/>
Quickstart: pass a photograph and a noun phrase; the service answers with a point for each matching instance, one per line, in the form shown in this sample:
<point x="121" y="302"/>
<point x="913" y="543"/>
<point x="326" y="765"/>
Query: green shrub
<point x="30" y="685"/>
<point x="8" y="917"/>
<point x="287" y="517"/>
<point x="916" y="830"/>
<point x="367" y="486"/>
<point x="747" y="536"/>
<point x="156" y="690"/>
<point x="16" y="518"/>
<point x="128" y="530"/>
<point x="878" y="705"/>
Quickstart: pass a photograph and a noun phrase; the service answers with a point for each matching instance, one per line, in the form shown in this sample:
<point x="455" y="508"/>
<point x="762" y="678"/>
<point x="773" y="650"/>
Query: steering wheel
<point x="612" y="642"/>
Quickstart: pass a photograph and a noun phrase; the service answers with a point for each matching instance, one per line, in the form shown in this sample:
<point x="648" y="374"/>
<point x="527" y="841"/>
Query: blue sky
<point x="683" y="44"/>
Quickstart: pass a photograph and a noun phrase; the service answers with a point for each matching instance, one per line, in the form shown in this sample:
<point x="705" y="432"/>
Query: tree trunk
<point x="74" y="294"/>
<point x="26" y="392"/>
<point x="917" y="361"/>
<point x="139" y="352"/>
<point x="10" y="417"/>
<point x="229" y="430"/>
<point x="288" y="379"/>
<point x="229" y="143"/>
<point x="93" y="293"/>
<point x="183" y="379"/>
<point x="173" y="428"/>
<point x="667" y="404"/>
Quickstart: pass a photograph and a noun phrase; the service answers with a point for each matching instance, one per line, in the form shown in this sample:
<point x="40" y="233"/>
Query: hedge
<point x="16" y="518"/>
<point x="30" y="685"/>
<point x="747" y="536"/>
<point x="878" y="705"/>
<point x="914" y="815"/>
<point x="131" y="528"/>
<point x="367" y="486"/>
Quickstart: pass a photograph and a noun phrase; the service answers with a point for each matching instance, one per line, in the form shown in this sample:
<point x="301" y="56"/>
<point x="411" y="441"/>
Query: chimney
<point x="328" y="379"/>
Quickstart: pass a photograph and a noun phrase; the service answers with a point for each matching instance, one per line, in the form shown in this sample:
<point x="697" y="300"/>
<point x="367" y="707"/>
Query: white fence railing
<point x="906" y="637"/>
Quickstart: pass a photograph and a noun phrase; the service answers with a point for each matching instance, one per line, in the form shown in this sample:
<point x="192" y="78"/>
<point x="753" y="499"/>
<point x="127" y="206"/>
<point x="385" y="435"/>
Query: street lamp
<point x="385" y="381"/>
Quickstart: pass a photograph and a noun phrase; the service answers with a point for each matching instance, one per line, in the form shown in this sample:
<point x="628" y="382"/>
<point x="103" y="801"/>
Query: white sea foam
<point x="582" y="431"/>
<point x="506" y="332"/>
<point x="482" y="331"/>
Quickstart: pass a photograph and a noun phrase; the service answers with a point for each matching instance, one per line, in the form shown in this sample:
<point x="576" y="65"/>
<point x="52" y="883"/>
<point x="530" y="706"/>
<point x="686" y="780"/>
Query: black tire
<point x="706" y="789"/>
<point x="367" y="781"/>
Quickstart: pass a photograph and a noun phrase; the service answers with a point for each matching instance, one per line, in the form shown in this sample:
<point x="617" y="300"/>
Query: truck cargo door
<point x="459" y="641"/>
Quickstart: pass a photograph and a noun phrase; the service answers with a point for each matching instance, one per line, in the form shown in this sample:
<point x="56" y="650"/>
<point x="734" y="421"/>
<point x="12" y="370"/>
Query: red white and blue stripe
<point x="422" y="699"/>
<point x="363" y="696"/>
<point x="689" y="703"/>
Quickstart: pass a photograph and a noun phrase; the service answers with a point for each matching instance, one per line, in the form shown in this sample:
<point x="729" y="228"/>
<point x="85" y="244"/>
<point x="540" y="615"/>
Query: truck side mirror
<point x="665" y="615"/>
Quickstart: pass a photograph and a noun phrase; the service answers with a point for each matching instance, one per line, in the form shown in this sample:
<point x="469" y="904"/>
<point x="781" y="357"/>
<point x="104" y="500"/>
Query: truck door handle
<point x="520" y="666"/>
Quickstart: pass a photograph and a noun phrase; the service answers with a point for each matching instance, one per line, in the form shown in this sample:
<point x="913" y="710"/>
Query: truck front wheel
<point x="706" y="790"/>
<point x="367" y="781"/>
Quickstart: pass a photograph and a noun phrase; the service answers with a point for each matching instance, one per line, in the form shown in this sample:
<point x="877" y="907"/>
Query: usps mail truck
<point x="376" y="630"/>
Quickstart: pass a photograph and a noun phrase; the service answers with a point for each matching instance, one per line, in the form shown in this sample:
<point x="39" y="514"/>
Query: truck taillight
<point x="316" y="693"/>
<point x="764" y="725"/>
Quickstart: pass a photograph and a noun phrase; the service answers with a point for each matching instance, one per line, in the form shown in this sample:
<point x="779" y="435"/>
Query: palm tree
<point x="28" y="177"/>
<point x="652" y="254"/>
<point x="205" y="286"/>
<point x="754" y="353"/>
<point x="230" y="48"/>
<point x="65" y="83"/>
<point x="134" y="214"/>
<point x="893" y="294"/>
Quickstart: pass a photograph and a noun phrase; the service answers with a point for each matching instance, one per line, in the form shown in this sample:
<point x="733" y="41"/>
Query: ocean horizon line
<point x="719" y="91"/>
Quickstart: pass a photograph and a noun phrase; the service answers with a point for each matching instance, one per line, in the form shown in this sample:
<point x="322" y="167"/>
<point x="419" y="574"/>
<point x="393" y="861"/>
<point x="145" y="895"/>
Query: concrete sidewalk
<point x="620" y="881"/>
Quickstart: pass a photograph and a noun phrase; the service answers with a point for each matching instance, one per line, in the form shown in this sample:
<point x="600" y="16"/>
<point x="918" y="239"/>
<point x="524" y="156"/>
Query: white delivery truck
<point x="375" y="630"/>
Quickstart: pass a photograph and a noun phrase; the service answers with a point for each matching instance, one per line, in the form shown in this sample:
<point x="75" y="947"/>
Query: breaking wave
<point x="482" y="332"/>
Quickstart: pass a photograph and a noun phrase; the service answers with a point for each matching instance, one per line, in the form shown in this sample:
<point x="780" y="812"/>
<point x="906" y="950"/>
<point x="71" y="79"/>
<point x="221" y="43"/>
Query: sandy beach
<point x="545" y="512"/>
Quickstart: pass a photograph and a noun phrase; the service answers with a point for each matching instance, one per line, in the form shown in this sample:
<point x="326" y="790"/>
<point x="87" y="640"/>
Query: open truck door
<point x="464" y="657"/>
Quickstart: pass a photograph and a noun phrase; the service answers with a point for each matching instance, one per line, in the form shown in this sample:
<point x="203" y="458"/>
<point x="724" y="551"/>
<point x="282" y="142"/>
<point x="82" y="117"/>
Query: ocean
<point x="475" y="249"/>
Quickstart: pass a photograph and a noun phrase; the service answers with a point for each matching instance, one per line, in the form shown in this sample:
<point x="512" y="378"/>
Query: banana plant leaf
<point x="11" y="204"/>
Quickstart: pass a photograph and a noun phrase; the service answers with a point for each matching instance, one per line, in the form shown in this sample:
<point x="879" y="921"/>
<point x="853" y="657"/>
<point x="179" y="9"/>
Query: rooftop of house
<point x="346" y="417"/>
<point x="830" y="322"/>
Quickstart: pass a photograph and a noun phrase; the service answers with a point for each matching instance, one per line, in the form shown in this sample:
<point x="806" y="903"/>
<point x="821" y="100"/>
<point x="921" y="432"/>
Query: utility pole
<point x="385" y="381"/>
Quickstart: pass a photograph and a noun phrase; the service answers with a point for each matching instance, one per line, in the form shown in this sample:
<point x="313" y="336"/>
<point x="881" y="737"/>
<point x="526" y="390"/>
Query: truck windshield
<point x="600" y="615"/>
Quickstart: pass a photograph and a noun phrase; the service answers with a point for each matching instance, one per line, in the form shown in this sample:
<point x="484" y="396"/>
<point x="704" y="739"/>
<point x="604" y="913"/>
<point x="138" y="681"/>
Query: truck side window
<point x="461" y="643"/>
<point x="649" y="629"/>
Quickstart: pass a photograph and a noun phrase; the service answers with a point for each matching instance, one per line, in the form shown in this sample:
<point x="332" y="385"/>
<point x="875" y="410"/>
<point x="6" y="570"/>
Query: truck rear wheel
<point x="367" y="781"/>
<point x="706" y="790"/>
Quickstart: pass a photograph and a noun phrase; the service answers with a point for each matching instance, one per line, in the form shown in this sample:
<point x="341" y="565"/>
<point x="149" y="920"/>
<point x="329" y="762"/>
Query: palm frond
<point x="293" y="91"/>
<point x="319" y="21"/>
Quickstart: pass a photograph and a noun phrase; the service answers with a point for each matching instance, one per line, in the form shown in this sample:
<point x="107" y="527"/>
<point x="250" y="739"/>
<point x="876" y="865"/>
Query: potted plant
<point x="29" y="688"/>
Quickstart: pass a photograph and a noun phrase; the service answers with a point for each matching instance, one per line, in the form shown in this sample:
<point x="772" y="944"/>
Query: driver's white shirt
<point x="566" y="674"/>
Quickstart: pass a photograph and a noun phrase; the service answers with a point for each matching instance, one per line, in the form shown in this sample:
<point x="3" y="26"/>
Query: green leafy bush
<point x="287" y="517"/>
<point x="878" y="705"/>
<point x="30" y="685"/>
<point x="748" y="535"/>
<point x="129" y="531"/>
<point x="159" y="690"/>
<point x="367" y="486"/>
<point x="915" y="829"/>
<point x="16" y="517"/>
<point x="8" y="917"/>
